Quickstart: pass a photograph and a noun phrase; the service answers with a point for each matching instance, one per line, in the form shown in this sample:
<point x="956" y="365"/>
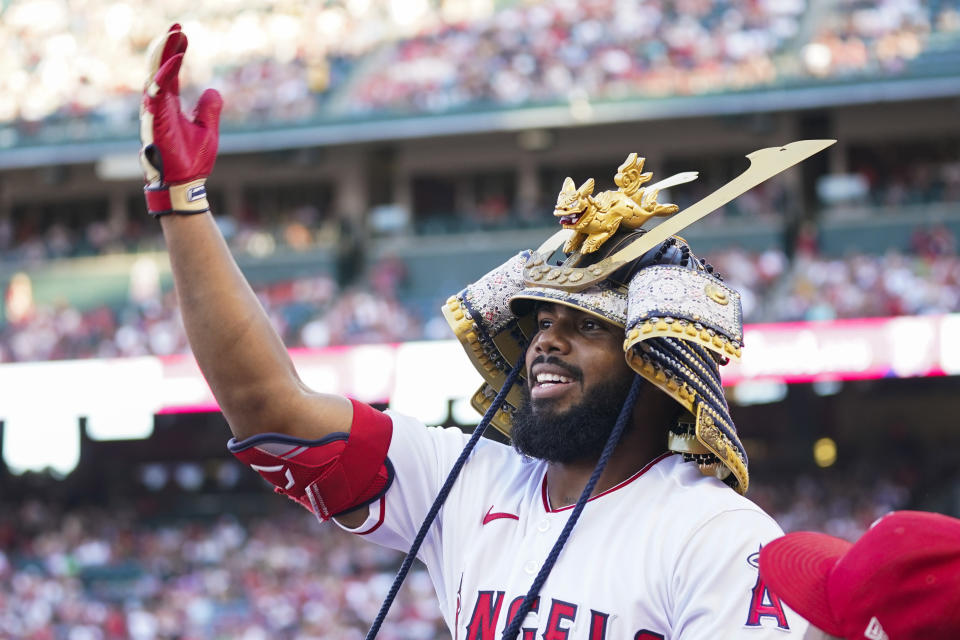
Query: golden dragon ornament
<point x="594" y="219"/>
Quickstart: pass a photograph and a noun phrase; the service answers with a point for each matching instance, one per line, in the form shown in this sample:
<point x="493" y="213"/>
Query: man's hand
<point x="177" y="153"/>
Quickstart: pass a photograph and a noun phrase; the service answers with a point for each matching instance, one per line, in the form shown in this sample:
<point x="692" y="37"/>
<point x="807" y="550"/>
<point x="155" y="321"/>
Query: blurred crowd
<point x="562" y="50"/>
<point x="859" y="286"/>
<point x="842" y="505"/>
<point x="910" y="184"/>
<point x="111" y="573"/>
<point x="73" y="69"/>
<point x="309" y="312"/>
<point x="33" y="235"/>
<point x="82" y="63"/>
<point x="316" y="312"/>
<point x="879" y="181"/>
<point x="92" y="574"/>
<point x="879" y="36"/>
<point x="566" y="50"/>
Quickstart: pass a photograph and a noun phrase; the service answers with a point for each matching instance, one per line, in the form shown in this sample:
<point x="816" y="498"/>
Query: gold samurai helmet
<point x="680" y="321"/>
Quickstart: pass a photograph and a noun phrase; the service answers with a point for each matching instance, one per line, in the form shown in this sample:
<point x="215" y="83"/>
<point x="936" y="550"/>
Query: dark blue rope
<point x="442" y="496"/>
<point x="510" y="633"/>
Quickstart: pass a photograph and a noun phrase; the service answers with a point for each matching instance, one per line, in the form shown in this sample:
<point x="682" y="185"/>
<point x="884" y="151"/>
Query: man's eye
<point x="591" y="325"/>
<point x="544" y="323"/>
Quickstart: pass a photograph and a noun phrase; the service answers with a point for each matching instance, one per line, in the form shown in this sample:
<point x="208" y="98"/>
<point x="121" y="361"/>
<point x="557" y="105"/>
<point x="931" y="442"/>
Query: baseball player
<point x="617" y="415"/>
<point x="899" y="581"/>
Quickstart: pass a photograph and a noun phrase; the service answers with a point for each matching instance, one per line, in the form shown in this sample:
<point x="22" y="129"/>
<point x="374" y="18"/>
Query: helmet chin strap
<point x="513" y="626"/>
<point x="442" y="496"/>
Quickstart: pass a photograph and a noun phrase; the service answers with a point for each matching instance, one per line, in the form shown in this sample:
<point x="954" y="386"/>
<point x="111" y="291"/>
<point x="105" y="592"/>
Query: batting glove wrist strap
<point x="184" y="199"/>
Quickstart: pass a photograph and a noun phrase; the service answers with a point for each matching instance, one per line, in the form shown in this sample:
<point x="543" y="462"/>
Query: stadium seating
<point x="84" y="572"/>
<point x="324" y="63"/>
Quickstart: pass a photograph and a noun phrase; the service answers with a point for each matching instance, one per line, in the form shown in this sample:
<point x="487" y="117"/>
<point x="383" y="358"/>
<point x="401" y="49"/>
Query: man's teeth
<point x="549" y="378"/>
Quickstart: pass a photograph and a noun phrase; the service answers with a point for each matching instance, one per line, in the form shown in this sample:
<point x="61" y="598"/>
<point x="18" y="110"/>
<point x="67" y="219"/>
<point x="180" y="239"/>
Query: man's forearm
<point x="239" y="352"/>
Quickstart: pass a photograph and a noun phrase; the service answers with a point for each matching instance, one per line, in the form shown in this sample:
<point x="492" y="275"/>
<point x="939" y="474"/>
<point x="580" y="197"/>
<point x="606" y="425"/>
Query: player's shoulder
<point x="449" y="441"/>
<point x="494" y="474"/>
<point x="702" y="498"/>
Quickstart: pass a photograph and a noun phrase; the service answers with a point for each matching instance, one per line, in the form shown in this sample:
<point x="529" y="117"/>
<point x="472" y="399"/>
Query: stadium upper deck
<point x="463" y="189"/>
<point x="343" y="71"/>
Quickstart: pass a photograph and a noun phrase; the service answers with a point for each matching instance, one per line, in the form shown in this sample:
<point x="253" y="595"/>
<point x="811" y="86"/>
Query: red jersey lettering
<point x="527" y="633"/>
<point x="483" y="622"/>
<point x="598" y="625"/>
<point x="765" y="604"/>
<point x="559" y="611"/>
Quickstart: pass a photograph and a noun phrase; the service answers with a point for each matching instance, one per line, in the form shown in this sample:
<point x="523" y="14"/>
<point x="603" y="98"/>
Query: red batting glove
<point x="177" y="153"/>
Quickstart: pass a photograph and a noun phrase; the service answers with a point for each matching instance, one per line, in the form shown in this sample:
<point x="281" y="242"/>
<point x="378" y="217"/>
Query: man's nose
<point x="553" y="339"/>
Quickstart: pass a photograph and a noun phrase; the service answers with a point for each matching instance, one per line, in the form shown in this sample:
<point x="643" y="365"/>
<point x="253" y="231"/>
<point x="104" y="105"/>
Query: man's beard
<point x="579" y="433"/>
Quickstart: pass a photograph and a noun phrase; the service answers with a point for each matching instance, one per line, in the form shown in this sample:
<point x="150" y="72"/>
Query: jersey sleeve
<point x="716" y="589"/>
<point x="421" y="458"/>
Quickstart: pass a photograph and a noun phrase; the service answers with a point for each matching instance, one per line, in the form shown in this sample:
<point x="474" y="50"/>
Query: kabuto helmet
<point x="680" y="322"/>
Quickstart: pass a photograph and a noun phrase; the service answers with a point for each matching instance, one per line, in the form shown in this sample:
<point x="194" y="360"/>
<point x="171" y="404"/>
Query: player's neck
<point x="565" y="481"/>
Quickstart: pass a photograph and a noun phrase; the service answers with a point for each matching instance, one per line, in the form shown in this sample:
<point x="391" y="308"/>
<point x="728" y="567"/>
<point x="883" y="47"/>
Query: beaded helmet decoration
<point x="680" y="321"/>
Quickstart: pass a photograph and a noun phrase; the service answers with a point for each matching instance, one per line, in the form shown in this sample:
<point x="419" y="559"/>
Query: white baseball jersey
<point x="666" y="554"/>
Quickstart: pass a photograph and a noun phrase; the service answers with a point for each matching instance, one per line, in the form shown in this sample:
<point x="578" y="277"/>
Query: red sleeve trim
<point x="329" y="476"/>
<point x="362" y="470"/>
<point x="363" y="414"/>
<point x="383" y="513"/>
<point x="369" y="441"/>
<point x="373" y="431"/>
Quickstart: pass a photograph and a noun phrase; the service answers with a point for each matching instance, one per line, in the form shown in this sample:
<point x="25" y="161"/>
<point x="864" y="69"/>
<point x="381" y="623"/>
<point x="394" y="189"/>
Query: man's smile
<point x="550" y="379"/>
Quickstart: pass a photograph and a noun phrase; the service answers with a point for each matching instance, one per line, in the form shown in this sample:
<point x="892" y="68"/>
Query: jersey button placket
<point x="533" y="566"/>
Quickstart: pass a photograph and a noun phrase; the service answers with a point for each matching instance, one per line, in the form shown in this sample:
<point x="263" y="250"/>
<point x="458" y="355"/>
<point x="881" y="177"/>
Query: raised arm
<point x="294" y="437"/>
<point x="240" y="354"/>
